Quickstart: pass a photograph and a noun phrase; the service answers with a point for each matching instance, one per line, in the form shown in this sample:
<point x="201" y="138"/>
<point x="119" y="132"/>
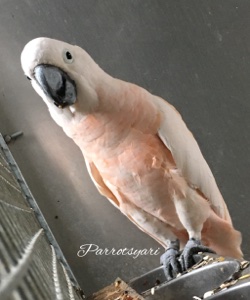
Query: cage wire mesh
<point x="32" y="265"/>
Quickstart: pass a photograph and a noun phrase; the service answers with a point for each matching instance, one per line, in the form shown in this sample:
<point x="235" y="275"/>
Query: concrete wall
<point x="195" y="54"/>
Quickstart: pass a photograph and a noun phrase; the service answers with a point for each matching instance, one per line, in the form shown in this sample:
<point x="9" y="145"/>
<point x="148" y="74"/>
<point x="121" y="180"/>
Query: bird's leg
<point x="192" y="216"/>
<point x="169" y="260"/>
<point x="161" y="232"/>
<point x="192" y="247"/>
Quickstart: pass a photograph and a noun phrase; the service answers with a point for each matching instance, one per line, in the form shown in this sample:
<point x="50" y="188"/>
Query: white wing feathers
<point x="188" y="158"/>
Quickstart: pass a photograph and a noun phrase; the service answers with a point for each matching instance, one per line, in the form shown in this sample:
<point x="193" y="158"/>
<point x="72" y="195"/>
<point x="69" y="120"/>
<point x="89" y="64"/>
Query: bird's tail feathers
<point x="220" y="236"/>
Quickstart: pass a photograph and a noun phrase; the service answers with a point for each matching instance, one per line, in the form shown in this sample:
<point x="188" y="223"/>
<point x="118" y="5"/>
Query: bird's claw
<point x="192" y="247"/>
<point x="169" y="260"/>
<point x="176" y="262"/>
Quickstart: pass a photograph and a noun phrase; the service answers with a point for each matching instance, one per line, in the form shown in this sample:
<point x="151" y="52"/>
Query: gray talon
<point x="170" y="261"/>
<point x="192" y="247"/>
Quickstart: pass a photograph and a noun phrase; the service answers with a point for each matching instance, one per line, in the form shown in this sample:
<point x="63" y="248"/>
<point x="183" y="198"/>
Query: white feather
<point x="188" y="157"/>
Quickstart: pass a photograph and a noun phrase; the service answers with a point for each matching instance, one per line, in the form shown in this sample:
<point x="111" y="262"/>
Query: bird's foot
<point x="169" y="260"/>
<point x="192" y="247"/>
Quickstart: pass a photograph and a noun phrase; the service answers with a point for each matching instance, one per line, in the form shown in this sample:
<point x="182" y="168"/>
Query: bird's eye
<point x="28" y="77"/>
<point x="68" y="57"/>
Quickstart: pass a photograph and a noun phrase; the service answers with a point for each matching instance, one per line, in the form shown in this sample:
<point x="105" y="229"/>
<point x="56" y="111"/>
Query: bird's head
<point x="62" y="74"/>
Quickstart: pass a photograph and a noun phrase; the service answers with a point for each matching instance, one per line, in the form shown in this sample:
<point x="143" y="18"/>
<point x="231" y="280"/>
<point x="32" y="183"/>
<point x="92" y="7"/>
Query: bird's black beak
<point x="56" y="84"/>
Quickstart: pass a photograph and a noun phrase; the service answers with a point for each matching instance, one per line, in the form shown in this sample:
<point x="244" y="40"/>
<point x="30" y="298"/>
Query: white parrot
<point x="138" y="151"/>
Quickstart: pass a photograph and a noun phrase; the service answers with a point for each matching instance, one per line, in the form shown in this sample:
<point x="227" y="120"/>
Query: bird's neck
<point x="121" y="107"/>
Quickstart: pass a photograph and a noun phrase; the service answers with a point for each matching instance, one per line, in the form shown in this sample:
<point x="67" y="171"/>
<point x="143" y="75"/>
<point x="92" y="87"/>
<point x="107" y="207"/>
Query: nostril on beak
<point x="28" y="77"/>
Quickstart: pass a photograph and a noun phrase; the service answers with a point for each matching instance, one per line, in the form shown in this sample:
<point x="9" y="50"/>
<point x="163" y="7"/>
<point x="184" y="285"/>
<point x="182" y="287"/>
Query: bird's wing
<point x="99" y="183"/>
<point x="188" y="157"/>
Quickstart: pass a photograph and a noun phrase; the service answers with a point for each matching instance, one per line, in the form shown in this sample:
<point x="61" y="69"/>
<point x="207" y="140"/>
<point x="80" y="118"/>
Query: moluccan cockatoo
<point x="138" y="151"/>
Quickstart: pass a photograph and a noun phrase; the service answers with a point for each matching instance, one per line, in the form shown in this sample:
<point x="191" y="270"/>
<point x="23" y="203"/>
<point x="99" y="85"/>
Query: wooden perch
<point x="118" y="290"/>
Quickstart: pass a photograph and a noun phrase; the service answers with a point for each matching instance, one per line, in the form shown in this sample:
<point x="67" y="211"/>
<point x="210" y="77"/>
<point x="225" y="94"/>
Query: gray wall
<point x="195" y="54"/>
